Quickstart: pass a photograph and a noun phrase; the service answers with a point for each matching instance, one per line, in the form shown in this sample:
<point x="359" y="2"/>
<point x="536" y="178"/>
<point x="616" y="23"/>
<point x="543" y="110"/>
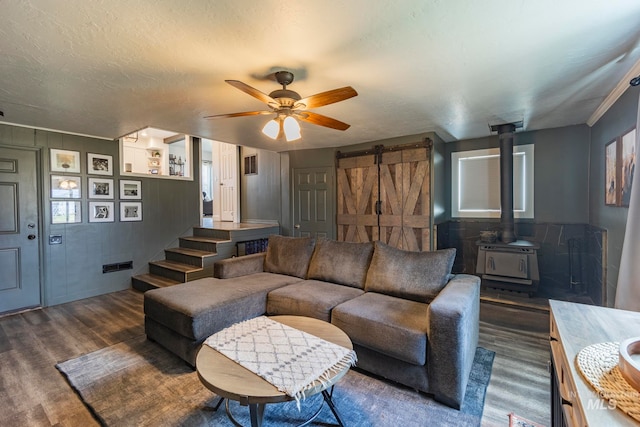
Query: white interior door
<point x="229" y="183"/>
<point x="19" y="234"/>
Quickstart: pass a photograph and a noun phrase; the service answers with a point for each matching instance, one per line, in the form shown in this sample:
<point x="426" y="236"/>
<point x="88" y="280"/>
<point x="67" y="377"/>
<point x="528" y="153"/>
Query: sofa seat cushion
<point x="345" y="263"/>
<point x="311" y="298"/>
<point x="202" y="307"/>
<point x="418" y="276"/>
<point x="393" y="326"/>
<point x="289" y="255"/>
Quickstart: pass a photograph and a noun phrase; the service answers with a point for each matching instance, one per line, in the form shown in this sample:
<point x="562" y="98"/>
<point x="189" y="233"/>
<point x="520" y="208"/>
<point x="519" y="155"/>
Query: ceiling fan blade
<point x="246" y="113"/>
<point x="253" y="92"/>
<point x="326" y="98"/>
<point x="320" y="120"/>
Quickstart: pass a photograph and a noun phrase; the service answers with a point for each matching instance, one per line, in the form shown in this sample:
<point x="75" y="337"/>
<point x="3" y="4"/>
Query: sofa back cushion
<point x="288" y="255"/>
<point x="418" y="276"/>
<point x="344" y="263"/>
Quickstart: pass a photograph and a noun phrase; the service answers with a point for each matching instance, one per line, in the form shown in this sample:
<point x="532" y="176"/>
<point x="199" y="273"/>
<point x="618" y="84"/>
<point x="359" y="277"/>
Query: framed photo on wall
<point x="101" y="188"/>
<point x="65" y="212"/>
<point x="66" y="187"/>
<point x="611" y="186"/>
<point x="130" y="189"/>
<point x="627" y="165"/>
<point x="130" y="211"/>
<point x="99" y="164"/>
<point x="101" y="212"/>
<point x="65" y="160"/>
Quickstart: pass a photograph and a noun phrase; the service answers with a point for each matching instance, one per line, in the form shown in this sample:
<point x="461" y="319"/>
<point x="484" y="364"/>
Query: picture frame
<point x="101" y="212"/>
<point x="101" y="188"/>
<point x="130" y="211"/>
<point x="99" y="164"/>
<point x="627" y="165"/>
<point x="64" y="160"/>
<point x="66" y="212"/>
<point x="66" y="187"/>
<point x="611" y="178"/>
<point x="130" y="190"/>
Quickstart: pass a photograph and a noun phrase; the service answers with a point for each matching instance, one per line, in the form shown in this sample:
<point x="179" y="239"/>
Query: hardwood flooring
<point x="34" y="393"/>
<point x="520" y="381"/>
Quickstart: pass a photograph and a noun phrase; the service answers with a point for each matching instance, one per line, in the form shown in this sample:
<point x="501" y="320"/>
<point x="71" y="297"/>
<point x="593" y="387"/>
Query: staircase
<point x="196" y="254"/>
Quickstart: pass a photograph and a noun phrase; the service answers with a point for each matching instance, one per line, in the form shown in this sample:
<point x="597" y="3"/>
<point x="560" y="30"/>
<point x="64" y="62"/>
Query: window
<point x="475" y="183"/>
<point x="251" y="165"/>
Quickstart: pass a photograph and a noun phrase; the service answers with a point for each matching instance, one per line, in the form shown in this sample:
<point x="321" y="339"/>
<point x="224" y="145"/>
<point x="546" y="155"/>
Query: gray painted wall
<point x="260" y="193"/>
<point x="620" y="118"/>
<point x="561" y="171"/>
<point x="73" y="270"/>
<point x="327" y="157"/>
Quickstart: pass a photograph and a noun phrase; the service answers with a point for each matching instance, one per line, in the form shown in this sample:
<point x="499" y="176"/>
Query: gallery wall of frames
<point x="98" y="197"/>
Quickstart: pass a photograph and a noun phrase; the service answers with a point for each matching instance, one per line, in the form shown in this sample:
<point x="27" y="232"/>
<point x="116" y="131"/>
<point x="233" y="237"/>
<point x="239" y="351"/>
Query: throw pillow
<point x="344" y="263"/>
<point x="418" y="276"/>
<point x="288" y="255"/>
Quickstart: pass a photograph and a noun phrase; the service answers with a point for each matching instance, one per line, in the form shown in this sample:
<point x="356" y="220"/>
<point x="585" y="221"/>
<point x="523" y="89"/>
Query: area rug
<point x="138" y="383"/>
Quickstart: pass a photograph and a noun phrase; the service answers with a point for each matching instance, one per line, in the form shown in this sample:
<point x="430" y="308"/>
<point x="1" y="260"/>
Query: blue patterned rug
<point x="137" y="382"/>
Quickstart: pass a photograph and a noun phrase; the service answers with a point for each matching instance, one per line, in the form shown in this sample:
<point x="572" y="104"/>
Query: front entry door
<point x="19" y="234"/>
<point x="313" y="202"/>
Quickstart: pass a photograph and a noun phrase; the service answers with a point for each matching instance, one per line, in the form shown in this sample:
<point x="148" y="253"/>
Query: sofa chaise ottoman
<point x="409" y="319"/>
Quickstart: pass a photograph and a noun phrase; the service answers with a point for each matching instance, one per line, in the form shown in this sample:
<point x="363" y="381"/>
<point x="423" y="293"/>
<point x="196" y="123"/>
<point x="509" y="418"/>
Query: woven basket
<point x="598" y="364"/>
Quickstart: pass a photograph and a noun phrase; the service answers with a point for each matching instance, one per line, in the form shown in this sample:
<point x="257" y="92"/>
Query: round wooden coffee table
<point x="231" y="381"/>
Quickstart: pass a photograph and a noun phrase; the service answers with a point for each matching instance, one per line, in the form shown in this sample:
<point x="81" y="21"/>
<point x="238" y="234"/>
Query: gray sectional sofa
<point x="409" y="319"/>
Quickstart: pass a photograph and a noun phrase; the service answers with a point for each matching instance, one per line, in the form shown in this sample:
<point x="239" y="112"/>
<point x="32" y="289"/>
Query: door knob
<point x="31" y="236"/>
<point x="296" y="226"/>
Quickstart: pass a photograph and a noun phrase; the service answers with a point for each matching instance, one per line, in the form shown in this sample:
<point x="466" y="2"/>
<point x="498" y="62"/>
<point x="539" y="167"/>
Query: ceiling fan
<point x="289" y="105"/>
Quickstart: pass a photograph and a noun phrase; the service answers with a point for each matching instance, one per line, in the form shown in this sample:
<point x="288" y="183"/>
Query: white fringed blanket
<point x="290" y="359"/>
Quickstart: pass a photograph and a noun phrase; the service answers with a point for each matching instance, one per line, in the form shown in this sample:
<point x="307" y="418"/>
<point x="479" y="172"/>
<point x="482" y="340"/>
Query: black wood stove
<point x="508" y="263"/>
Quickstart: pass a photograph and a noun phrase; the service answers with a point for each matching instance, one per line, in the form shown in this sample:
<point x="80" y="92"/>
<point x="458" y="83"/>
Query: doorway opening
<point x="219" y="181"/>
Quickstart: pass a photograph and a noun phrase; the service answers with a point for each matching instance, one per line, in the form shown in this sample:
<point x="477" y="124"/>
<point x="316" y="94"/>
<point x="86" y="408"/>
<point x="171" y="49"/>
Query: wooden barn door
<point x="357" y="179"/>
<point x="405" y="195"/>
<point x="386" y="196"/>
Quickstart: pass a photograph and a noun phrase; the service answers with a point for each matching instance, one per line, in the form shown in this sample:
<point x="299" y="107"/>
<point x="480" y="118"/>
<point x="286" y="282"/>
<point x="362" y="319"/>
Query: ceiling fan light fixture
<point x="271" y="129"/>
<point x="291" y="129"/>
<point x="67" y="184"/>
<point x="286" y="104"/>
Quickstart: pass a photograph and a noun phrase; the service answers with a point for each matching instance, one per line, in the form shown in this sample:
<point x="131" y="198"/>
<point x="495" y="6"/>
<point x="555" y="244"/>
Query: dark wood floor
<point x="34" y="393"/>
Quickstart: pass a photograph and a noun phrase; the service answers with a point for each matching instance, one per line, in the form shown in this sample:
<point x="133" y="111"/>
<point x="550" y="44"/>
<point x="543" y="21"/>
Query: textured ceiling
<point x="107" y="68"/>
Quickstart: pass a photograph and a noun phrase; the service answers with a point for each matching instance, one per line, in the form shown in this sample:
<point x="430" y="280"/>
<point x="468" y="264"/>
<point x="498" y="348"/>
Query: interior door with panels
<point x="19" y="250"/>
<point x="313" y="202"/>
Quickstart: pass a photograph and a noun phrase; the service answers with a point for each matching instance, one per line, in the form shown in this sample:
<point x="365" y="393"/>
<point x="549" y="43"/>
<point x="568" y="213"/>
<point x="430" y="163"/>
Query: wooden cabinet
<point x="385" y="194"/>
<point x="573" y="327"/>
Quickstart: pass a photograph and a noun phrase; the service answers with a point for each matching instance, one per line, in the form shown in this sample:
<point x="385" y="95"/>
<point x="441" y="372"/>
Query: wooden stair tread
<point x="159" y="281"/>
<point x="205" y="239"/>
<point x="176" y="266"/>
<point x="192" y="252"/>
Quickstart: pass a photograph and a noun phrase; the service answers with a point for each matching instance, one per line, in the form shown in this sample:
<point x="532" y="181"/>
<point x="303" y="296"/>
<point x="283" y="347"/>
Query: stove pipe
<point x="505" y="135"/>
